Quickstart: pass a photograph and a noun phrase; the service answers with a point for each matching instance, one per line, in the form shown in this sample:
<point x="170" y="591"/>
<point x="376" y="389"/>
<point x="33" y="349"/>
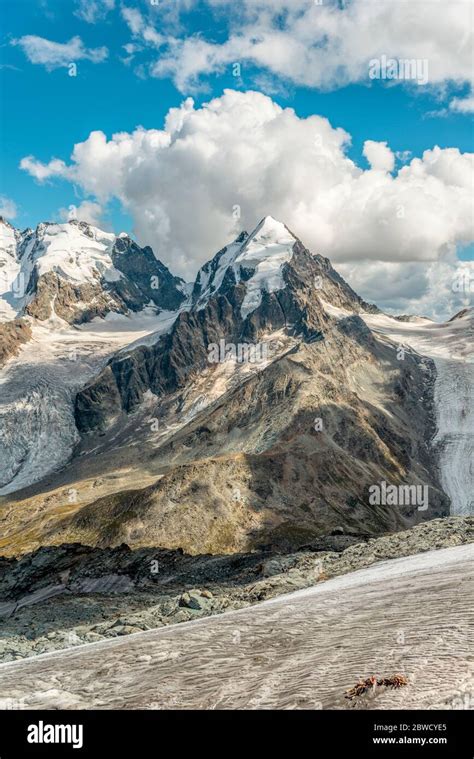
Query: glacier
<point x="450" y="346"/>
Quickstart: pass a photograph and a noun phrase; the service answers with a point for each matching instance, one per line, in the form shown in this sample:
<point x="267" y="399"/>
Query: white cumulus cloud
<point x="379" y="155"/>
<point x="8" y="208"/>
<point x="213" y="170"/>
<point x="437" y="290"/>
<point x="41" y="171"/>
<point x="54" y="55"/>
<point x="323" y="45"/>
<point x="87" y="210"/>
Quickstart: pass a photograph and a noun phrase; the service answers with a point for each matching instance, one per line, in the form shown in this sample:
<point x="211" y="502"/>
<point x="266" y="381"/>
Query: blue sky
<point x="45" y="112"/>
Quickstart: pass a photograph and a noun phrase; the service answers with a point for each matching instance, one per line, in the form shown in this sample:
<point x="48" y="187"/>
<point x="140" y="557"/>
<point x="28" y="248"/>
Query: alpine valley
<point x="123" y="446"/>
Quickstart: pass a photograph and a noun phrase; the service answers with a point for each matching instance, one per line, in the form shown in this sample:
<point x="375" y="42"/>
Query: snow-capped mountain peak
<point x="8" y="234"/>
<point x="269" y="231"/>
<point x="256" y="259"/>
<point x="266" y="251"/>
<point x="77" y="271"/>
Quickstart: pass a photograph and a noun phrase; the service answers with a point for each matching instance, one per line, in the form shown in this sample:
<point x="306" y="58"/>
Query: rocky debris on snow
<point x="153" y="588"/>
<point x="195" y="599"/>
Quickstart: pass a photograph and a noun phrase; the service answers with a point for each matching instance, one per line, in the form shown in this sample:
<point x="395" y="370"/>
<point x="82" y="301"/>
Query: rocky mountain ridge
<point x="172" y="449"/>
<point x="260" y="284"/>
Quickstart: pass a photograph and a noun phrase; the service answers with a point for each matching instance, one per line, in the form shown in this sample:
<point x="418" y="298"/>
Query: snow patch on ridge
<point x="264" y="252"/>
<point x="210" y="282"/>
<point x="267" y="249"/>
<point x="335" y="311"/>
<point x="74" y="255"/>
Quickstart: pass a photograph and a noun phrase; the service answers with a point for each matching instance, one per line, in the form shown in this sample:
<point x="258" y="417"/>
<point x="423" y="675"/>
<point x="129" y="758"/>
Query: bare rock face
<point x="12" y="335"/>
<point x="145" y="277"/>
<point x="73" y="303"/>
